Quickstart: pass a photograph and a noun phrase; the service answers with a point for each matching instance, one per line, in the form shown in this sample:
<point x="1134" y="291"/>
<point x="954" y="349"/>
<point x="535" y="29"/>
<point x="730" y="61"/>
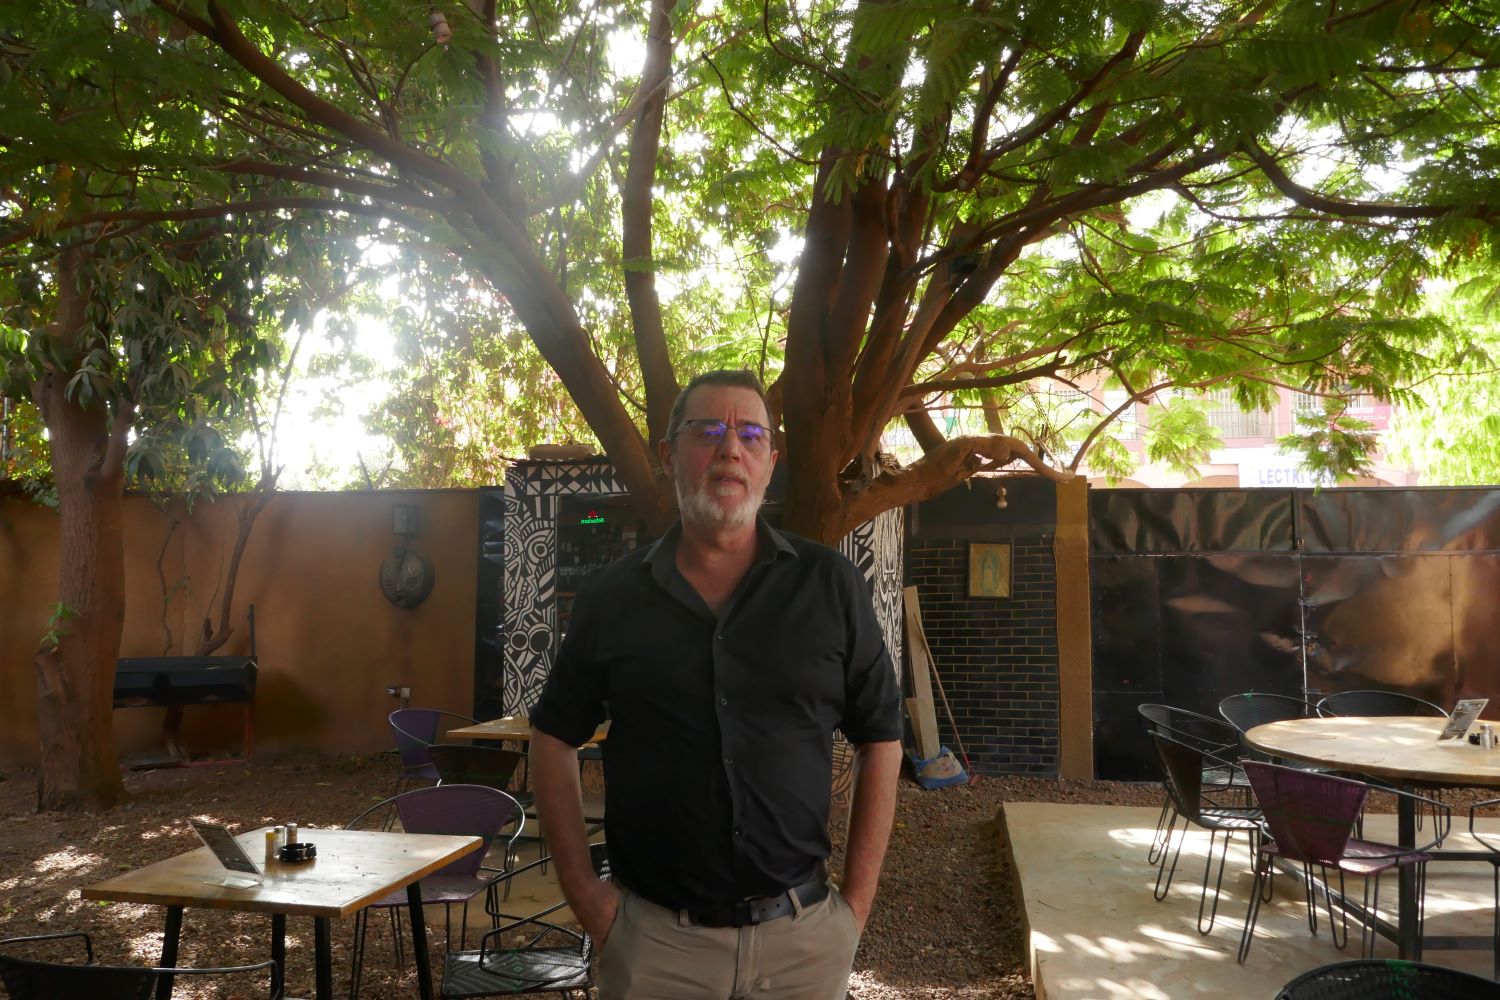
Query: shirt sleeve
<point x="572" y="702"/>
<point x="872" y="698"/>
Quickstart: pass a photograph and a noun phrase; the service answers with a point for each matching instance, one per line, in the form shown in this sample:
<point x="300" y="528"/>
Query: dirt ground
<point x="945" y="923"/>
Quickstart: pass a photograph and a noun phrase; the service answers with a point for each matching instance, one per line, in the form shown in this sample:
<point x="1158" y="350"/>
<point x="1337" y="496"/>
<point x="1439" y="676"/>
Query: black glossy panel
<point x="1229" y="624"/>
<point x="1142" y="521"/>
<point x="1126" y="623"/>
<point x="1382" y="520"/>
<point x="1382" y="622"/>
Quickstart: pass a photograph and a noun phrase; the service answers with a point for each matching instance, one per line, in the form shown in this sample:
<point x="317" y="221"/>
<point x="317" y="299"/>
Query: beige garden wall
<point x="327" y="639"/>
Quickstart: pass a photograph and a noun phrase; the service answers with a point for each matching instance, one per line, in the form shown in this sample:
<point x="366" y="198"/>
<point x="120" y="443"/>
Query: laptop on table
<point x="240" y="871"/>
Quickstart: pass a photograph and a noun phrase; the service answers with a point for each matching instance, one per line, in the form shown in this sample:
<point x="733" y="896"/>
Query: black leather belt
<point x="747" y="912"/>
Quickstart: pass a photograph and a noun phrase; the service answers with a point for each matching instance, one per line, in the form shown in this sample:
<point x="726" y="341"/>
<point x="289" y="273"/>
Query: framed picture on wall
<point x="989" y="569"/>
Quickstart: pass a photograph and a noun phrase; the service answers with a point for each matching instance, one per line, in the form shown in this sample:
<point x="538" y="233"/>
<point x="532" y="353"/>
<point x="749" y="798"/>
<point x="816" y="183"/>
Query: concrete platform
<point x="1094" y="930"/>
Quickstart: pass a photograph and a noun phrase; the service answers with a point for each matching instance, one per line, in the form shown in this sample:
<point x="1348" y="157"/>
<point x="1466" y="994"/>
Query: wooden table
<point x="1401" y="750"/>
<point x="511" y="727"/>
<point x="353" y="869"/>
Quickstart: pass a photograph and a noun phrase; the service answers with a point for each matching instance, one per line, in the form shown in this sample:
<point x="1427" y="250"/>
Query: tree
<point x="926" y="154"/>
<point x="975" y="197"/>
<point x="1454" y="437"/>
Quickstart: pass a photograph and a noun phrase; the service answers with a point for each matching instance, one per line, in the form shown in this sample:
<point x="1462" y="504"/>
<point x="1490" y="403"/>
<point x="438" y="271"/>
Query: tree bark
<point x="75" y="667"/>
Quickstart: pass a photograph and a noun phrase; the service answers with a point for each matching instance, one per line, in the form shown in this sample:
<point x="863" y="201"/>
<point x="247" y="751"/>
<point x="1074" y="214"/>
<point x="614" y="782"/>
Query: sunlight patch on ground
<point x="65" y="862"/>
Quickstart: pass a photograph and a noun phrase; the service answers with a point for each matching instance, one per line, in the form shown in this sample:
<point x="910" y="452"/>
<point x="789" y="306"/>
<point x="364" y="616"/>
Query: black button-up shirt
<point x="720" y="751"/>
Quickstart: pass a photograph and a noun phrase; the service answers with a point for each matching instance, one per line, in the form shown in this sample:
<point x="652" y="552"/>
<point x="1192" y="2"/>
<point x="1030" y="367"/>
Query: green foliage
<point x="1180" y="436"/>
<point x="1330" y="444"/>
<point x="1453" y="437"/>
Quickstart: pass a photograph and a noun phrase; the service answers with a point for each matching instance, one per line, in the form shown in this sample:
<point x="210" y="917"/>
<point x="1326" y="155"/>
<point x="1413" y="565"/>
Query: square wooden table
<point x="353" y="869"/>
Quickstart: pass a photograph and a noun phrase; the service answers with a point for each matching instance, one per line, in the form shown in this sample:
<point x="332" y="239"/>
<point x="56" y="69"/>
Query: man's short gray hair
<point x="740" y="378"/>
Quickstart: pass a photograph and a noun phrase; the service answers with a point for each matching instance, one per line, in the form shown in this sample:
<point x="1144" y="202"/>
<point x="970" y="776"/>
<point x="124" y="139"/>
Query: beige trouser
<point x="653" y="954"/>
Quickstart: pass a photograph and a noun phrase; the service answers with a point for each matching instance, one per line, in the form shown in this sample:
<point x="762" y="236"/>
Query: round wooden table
<point x="1401" y="750"/>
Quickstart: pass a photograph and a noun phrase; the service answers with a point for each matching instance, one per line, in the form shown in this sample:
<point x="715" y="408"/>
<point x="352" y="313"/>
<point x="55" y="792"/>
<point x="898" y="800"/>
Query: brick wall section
<point x="997" y="659"/>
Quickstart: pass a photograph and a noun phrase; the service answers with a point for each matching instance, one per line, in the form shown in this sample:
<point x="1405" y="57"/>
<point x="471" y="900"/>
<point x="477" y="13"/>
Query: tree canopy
<point x="882" y="206"/>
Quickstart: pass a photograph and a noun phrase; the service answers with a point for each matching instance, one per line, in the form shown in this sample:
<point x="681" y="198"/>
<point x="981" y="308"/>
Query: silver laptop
<point x="242" y="873"/>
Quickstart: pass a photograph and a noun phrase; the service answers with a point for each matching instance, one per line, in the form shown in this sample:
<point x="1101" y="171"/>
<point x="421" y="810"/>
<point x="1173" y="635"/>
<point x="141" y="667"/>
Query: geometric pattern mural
<point x="530" y="585"/>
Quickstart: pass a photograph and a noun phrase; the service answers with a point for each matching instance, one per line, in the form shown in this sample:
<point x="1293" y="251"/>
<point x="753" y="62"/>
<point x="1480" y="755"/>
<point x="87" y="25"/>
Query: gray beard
<point x="699" y="510"/>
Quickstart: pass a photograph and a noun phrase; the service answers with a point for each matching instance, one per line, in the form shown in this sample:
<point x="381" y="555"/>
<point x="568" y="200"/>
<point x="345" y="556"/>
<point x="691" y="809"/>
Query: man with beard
<point x="725" y="654"/>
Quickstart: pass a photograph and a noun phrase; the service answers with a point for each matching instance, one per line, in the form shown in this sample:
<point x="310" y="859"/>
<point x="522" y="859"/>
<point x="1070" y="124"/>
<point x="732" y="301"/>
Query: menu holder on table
<point x="1464" y="714"/>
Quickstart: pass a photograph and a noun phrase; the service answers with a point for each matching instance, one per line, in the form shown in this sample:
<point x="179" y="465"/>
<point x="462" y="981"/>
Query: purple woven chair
<point x="1183" y="767"/>
<point x="461" y="810"/>
<point x="416" y="730"/>
<point x="1310" y="820"/>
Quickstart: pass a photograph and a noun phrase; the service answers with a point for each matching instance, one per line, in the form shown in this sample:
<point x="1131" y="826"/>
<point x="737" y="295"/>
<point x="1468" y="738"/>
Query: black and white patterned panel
<point x="875" y="549"/>
<point x="532" y="490"/>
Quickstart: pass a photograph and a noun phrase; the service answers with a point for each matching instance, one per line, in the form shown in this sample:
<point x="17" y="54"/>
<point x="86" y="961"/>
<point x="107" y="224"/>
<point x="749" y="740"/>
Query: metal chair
<point x="35" y="979"/>
<point x="1388" y="979"/>
<point x="416" y="731"/>
<point x="492" y="767"/>
<point x="545" y="957"/>
<point x="1182" y="773"/>
<point x="1212" y="735"/>
<point x="463" y="810"/>
<point x="1376" y="703"/>
<point x="1310" y="819"/>
<point x="1491" y="843"/>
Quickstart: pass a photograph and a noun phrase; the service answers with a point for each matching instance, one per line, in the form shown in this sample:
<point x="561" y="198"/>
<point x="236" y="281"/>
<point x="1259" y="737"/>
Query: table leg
<point x="323" y="957"/>
<point x="278" y="953"/>
<point x="169" y="951"/>
<point x="1406" y="836"/>
<point x="419" y="940"/>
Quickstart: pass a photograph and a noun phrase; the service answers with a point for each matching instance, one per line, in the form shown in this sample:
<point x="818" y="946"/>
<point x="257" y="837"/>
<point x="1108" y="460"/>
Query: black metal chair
<point x="36" y="979"/>
<point x="1388" y="979"/>
<point x="1491" y="842"/>
<point x="1182" y="773"/>
<point x="1377" y="703"/>
<point x="542" y="958"/>
<point x="1212" y="735"/>
<point x="416" y="731"/>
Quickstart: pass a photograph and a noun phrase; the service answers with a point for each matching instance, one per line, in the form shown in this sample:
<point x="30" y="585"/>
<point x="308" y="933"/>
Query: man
<point x="726" y="654"/>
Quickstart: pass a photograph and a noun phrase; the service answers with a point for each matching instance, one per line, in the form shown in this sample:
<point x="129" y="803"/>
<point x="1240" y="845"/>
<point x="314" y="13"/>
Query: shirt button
<point x="723" y="701"/>
<point x="738" y="832"/>
<point x="728" y="760"/>
<point x="719" y="638"/>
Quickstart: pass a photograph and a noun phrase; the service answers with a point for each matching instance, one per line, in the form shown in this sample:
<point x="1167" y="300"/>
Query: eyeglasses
<point x="710" y="432"/>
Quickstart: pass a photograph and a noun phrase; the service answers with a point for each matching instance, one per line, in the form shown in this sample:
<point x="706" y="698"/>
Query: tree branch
<point x="1310" y="199"/>
<point x="635" y="225"/>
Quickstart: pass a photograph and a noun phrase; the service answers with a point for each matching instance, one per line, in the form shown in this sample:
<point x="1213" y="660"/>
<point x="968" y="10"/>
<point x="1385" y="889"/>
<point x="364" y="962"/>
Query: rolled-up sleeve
<point x="872" y="698"/>
<point x="572" y="702"/>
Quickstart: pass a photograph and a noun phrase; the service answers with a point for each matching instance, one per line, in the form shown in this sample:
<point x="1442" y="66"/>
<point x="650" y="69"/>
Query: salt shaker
<point x="1487" y="736"/>
<point x="291" y="833"/>
<point x="280" y="837"/>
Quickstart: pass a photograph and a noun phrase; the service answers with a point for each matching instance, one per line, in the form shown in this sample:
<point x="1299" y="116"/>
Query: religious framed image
<point x="989" y="569"/>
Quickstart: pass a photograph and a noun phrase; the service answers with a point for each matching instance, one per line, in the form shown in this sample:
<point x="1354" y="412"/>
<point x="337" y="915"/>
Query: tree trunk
<point x="75" y="666"/>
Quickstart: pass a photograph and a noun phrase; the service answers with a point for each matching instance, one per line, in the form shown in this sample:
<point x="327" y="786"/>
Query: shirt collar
<point x="772" y="544"/>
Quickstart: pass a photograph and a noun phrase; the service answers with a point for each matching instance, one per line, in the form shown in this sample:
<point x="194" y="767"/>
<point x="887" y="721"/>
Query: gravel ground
<point x="945" y="924"/>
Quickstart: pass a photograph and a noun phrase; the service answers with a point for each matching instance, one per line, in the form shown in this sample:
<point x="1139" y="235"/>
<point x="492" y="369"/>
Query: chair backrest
<point x="29" y="979"/>
<point x="1182" y="773"/>
<point x="1189" y="727"/>
<point x="1388" y="979"/>
<point x="34" y="979"/>
<point x="493" y="767"/>
<point x="1309" y="814"/>
<point x="462" y="810"/>
<point x="416" y="730"/>
<point x="1246" y="711"/>
<point x="1377" y="703"/>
